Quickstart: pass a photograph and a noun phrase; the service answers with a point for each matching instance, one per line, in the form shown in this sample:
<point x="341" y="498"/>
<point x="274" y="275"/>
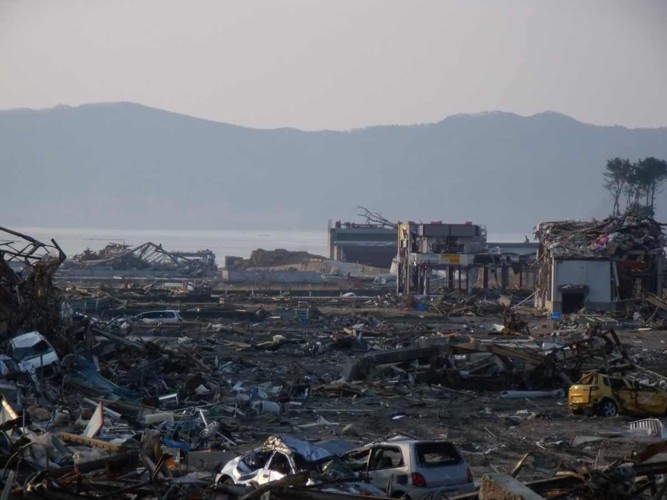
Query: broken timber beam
<point x="95" y="443"/>
<point x="505" y="487"/>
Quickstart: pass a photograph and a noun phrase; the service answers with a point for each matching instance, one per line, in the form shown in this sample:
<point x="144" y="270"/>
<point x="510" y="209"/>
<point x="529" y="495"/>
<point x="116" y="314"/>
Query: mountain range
<point x="124" y="165"/>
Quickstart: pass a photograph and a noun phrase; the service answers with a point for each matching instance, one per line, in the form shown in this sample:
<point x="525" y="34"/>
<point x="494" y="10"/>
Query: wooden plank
<point x="505" y="487"/>
<point x="95" y="443"/>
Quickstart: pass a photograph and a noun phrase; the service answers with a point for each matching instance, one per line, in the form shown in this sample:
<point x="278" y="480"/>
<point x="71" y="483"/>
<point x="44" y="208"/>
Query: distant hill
<point x="129" y="166"/>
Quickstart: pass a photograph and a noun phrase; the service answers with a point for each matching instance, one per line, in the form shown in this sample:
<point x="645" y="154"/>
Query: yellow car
<point x="607" y="395"/>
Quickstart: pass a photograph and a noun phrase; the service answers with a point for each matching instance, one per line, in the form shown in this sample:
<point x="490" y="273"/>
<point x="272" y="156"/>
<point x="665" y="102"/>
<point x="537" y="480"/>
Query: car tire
<point x="607" y="408"/>
<point x="227" y="480"/>
<point x="401" y="495"/>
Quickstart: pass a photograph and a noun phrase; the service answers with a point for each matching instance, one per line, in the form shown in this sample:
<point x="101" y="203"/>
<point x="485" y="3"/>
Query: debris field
<point x="151" y="408"/>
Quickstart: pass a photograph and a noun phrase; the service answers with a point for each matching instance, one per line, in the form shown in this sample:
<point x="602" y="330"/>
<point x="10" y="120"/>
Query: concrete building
<point x="368" y="244"/>
<point x="426" y="252"/>
<point x="579" y="283"/>
<point x="423" y="248"/>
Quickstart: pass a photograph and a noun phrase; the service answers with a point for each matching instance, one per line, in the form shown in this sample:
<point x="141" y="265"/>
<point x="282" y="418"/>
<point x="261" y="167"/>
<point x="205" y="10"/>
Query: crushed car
<point x="282" y="456"/>
<point x="412" y="468"/>
<point x="606" y="395"/>
<point x="34" y="353"/>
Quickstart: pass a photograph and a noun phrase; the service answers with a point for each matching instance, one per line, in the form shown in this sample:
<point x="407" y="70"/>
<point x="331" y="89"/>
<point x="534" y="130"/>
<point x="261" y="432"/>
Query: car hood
<point x="26" y="339"/>
<point x="290" y="445"/>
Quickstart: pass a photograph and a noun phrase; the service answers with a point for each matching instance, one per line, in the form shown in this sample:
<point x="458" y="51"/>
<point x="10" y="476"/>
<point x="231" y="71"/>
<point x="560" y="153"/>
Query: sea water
<point x="224" y="242"/>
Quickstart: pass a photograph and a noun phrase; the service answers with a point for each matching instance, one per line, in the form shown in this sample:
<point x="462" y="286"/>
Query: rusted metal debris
<point x="460" y="361"/>
<point x="147" y="256"/>
<point x="28" y="298"/>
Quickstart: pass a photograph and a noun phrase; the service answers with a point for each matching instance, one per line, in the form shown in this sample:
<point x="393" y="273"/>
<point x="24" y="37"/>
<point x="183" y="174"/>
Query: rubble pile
<point x="147" y="256"/>
<point x="261" y="258"/>
<point x="28" y="298"/>
<point x="123" y="401"/>
<point x="613" y="236"/>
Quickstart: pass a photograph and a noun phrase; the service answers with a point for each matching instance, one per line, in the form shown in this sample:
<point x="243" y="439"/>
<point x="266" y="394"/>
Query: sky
<point x="340" y="64"/>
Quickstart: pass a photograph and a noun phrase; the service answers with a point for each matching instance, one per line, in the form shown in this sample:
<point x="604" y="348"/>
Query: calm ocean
<point x="224" y="242"/>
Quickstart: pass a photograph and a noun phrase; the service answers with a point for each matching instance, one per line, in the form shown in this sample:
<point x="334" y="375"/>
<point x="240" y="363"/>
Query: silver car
<point x="281" y="456"/>
<point x="412" y="468"/>
<point x="163" y="316"/>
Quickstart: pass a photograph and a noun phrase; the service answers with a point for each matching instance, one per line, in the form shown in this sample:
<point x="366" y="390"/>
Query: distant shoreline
<point x="224" y="242"/>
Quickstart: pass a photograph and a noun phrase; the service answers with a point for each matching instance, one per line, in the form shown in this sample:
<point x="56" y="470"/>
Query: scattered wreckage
<point x="28" y="298"/>
<point x="149" y="257"/>
<point x="149" y="413"/>
<point x="465" y="362"/>
<point x="281" y="456"/>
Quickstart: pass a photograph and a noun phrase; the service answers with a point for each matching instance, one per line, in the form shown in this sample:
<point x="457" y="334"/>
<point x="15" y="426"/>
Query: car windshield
<point x="588" y="379"/>
<point x="40" y="348"/>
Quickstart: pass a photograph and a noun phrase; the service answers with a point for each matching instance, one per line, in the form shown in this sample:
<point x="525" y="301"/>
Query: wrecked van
<point x="605" y="395"/>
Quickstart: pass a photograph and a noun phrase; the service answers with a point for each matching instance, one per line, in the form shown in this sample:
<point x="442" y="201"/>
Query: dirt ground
<point x="491" y="432"/>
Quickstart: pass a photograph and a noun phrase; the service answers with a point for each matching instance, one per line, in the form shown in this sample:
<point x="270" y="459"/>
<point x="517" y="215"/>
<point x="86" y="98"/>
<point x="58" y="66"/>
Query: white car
<point x="412" y="468"/>
<point x="34" y="353"/>
<point x="281" y="456"/>
<point x="164" y="316"/>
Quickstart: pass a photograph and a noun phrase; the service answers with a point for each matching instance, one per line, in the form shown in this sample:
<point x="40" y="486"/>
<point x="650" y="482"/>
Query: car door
<point x="251" y="466"/>
<point x="385" y="462"/>
<point x="277" y="468"/>
<point x="168" y="317"/>
<point x="650" y="401"/>
<point x="357" y="460"/>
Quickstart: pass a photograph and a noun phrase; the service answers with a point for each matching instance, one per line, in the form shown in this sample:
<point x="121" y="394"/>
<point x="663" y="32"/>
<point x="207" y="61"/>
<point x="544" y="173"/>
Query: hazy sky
<point x="340" y="64"/>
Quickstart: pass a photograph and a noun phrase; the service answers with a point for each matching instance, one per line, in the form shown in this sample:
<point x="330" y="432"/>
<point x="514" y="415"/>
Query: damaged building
<point x="426" y="247"/>
<point x="598" y="264"/>
<point x="148" y="260"/>
<point x="369" y="244"/>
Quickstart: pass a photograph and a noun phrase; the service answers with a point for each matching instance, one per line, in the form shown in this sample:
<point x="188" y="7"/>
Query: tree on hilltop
<point x="616" y="178"/>
<point x="639" y="182"/>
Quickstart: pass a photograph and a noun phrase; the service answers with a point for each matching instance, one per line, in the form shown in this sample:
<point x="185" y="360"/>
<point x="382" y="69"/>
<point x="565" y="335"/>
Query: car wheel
<point x="608" y="408"/>
<point x="401" y="495"/>
<point x="228" y="480"/>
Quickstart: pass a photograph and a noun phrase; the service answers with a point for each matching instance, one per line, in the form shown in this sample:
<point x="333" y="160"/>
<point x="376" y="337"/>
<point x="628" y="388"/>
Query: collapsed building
<point x="598" y="264"/>
<point x="146" y="260"/>
<point x="460" y="253"/>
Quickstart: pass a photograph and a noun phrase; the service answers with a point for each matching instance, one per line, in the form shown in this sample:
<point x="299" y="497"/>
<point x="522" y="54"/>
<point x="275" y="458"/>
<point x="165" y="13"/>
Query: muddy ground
<point x="491" y="432"/>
